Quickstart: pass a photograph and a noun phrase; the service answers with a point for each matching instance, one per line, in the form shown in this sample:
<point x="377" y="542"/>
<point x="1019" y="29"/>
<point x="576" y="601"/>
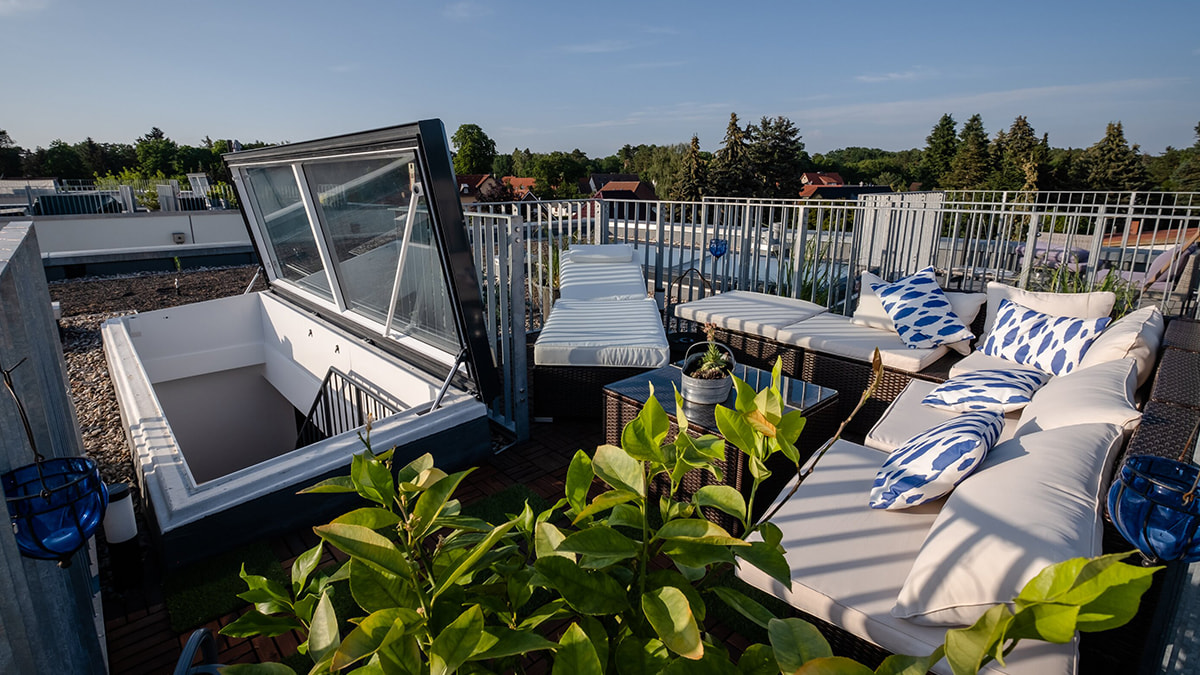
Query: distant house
<point x="821" y="178"/>
<point x="471" y="185"/>
<point x="522" y="188"/>
<point x="841" y="191"/>
<point x="595" y="182"/>
<point x="625" y="191"/>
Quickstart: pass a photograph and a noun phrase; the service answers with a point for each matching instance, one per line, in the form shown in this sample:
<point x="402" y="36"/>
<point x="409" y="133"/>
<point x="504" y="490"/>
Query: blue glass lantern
<point x="1153" y="503"/>
<point x="718" y="247"/>
<point x="55" y="505"/>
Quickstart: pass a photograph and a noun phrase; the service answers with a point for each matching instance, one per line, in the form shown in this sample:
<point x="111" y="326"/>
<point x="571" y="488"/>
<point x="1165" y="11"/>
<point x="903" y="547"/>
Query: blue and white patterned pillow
<point x="920" y="311"/>
<point x="931" y="463"/>
<point x="1054" y="344"/>
<point x="990" y="390"/>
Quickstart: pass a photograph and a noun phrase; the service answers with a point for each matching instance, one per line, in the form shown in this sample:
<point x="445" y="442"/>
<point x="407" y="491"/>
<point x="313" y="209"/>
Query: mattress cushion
<point x="849" y="561"/>
<point x="599" y="281"/>
<point x="977" y="360"/>
<point x="599" y="253"/>
<point x="614" y="333"/>
<point x="748" y="312"/>
<point x="907" y="416"/>
<point x="1137" y="334"/>
<point x="837" y="335"/>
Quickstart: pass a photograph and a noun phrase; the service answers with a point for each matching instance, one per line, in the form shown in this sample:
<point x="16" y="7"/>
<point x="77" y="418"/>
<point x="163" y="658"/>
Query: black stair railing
<point x="342" y="403"/>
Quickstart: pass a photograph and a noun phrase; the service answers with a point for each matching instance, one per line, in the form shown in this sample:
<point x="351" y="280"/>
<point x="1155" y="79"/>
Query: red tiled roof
<point x="822" y="178"/>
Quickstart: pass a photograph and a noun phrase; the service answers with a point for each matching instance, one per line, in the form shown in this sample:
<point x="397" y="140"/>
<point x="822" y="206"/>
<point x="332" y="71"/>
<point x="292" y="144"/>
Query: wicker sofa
<point x="1043" y="490"/>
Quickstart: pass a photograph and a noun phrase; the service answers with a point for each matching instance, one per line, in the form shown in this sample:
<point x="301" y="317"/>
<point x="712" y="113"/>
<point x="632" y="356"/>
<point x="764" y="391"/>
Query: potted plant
<point x="707" y="376"/>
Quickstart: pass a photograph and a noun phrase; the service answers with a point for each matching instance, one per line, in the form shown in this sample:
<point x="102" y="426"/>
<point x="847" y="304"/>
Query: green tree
<point x="971" y="166"/>
<point x="1019" y="157"/>
<point x="731" y="173"/>
<point x="156" y="153"/>
<point x="1187" y="175"/>
<point x="522" y="163"/>
<point x="778" y="157"/>
<point x="692" y="182"/>
<point x="473" y="150"/>
<point x="940" y="147"/>
<point x="1111" y="164"/>
<point x="502" y="165"/>
<point x="61" y="161"/>
<point x="10" y="156"/>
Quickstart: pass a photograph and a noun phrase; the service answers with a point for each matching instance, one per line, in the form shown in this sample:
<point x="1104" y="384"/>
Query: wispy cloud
<point x="598" y="47"/>
<point x="465" y="10"/>
<point x="657" y="64"/>
<point x="9" y="7"/>
<point x="673" y="114"/>
<point x="911" y="74"/>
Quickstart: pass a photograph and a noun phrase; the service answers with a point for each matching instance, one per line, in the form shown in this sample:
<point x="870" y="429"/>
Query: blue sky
<point x="594" y="76"/>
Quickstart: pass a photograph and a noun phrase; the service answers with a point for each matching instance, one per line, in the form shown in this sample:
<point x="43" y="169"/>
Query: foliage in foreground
<point x="441" y="592"/>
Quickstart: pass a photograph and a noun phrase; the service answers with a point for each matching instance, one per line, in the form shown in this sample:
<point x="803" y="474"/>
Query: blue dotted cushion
<point x="931" y="463"/>
<point x="997" y="390"/>
<point x="920" y="311"/>
<point x="1053" y="344"/>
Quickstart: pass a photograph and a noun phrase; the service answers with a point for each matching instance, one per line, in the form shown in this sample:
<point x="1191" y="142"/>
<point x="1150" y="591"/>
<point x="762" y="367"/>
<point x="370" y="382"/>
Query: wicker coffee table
<point x="624" y="399"/>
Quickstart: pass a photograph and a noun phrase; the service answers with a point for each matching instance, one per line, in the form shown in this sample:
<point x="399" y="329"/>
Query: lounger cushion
<point x="907" y="416"/>
<point x="848" y="562"/>
<point x="931" y="463"/>
<point x="837" y="335"/>
<point x="920" y="311"/>
<point x="1054" y="344"/>
<point x="599" y="281"/>
<point x="977" y="360"/>
<point x="616" y="333"/>
<point x="1099" y="393"/>
<point x="1034" y="502"/>
<point x="600" y="253"/>
<point x="1137" y="335"/>
<point x="1079" y="305"/>
<point x="1000" y="391"/>
<point x="748" y="312"/>
<point x="870" y="312"/>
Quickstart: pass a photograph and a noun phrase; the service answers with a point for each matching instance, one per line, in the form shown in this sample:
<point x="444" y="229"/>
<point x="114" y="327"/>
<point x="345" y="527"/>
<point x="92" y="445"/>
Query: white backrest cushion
<point x="1035" y="501"/>
<point x="921" y="312"/>
<point x="870" y="312"/>
<point x="1099" y="393"/>
<point x="1053" y="344"/>
<point x="1137" y="334"/>
<point x="1079" y="305"/>
<point x="600" y="253"/>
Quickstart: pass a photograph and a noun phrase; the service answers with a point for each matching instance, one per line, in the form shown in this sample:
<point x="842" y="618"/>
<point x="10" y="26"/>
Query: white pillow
<point x="1137" y="334"/>
<point x="1079" y="305"/>
<point x="1054" y="344"/>
<point x="931" y="463"/>
<point x="1099" y="393"/>
<point x="920" y="311"/>
<point x="600" y="253"/>
<point x="1034" y="502"/>
<point x="870" y="312"/>
<point x="998" y="391"/>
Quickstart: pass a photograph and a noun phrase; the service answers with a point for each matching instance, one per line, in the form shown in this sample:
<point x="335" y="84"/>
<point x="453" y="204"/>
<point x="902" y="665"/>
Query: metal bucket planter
<point x="706" y="392"/>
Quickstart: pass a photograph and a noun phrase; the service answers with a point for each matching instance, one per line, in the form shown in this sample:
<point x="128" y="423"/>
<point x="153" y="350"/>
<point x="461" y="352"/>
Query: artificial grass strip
<point x="207" y="590"/>
<point x="511" y="500"/>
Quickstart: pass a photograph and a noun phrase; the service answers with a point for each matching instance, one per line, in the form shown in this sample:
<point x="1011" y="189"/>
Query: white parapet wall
<point x="104" y="233"/>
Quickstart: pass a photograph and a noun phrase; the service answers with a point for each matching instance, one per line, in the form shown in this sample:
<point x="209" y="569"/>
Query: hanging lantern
<point x="55" y="504"/>
<point x="718" y="247"/>
<point x="1154" y="505"/>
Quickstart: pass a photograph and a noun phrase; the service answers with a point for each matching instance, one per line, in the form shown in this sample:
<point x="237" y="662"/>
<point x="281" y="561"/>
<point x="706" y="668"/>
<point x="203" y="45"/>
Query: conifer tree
<point x="1111" y="164"/>
<point x="692" y="183"/>
<point x="940" y="147"/>
<point x="1019" y="157"/>
<point x="731" y="174"/>
<point x="778" y="157"/>
<point x="1187" y="175"/>
<point x="972" y="164"/>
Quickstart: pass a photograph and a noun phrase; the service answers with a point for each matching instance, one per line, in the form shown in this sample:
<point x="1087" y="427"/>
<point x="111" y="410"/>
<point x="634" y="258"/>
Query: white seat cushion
<point x="617" y="333"/>
<point x="598" y="281"/>
<point x="599" y="253"/>
<point x="870" y="312"/>
<point x="849" y="561"/>
<point x="977" y="360"/>
<point x="837" y="335"/>
<point x="1137" y="334"/>
<point x="907" y="416"/>
<point x="748" y="312"/>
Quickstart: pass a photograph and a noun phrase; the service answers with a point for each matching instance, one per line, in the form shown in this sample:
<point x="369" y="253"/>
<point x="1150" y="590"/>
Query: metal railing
<point x="90" y="196"/>
<point x="342" y="403"/>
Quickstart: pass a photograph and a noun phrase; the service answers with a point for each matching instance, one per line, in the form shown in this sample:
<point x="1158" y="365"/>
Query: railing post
<point x="518" y="388"/>
<point x="601" y="211"/>
<point x="659" y="290"/>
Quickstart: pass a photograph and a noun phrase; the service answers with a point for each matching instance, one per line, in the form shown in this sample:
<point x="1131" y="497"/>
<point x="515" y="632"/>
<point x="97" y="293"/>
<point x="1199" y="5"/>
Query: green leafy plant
<point x="713" y="364"/>
<point x="617" y="577"/>
<point x="1073" y="278"/>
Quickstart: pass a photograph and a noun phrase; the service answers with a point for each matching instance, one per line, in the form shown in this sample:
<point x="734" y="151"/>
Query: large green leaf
<point x="372" y="479"/>
<point x="636" y="656"/>
<point x="670" y="615"/>
<point x="261" y="590"/>
<point x="604" y="502"/>
<point x="330" y="486"/>
<point x="1115" y="607"/>
<point x="795" y="642"/>
<point x="744" y="605"/>
<point x="722" y="497"/>
<point x="254" y="623"/>
<point x="767" y="558"/>
<point x="366" y="637"/>
<point x="431" y="503"/>
<point x="1047" y="621"/>
<point x="367" y="545"/>
<point x="400" y="653"/>
<point x="602" y="541"/>
<point x="625" y="515"/>
<point x="833" y="665"/>
<point x="712" y="663"/>
<point x="966" y="648"/>
<point x="323" y="634"/>
<point x="499" y="641"/>
<point x="303" y="567"/>
<point x="694" y="555"/>
<point x="370" y="517"/>
<point x="374" y="589"/>
<point x="456" y="642"/>
<point x="736" y="429"/>
<point x="758" y="660"/>
<point x="414" y="468"/>
<point x="899" y="664"/>
<point x="615" y="467"/>
<point x="588" y="591"/>
<point x="660" y="578"/>
<point x="598" y="635"/>
<point x="771" y="533"/>
<point x="1079" y="581"/>
<point x="554" y="609"/>
<point x="698" y="531"/>
<point x="576" y="655"/>
<point x="643" y="436"/>
<point x="790" y="427"/>
<point x="579" y="480"/>
<point x="745" y="395"/>
<point x="546" y="539"/>
<point x="467" y="565"/>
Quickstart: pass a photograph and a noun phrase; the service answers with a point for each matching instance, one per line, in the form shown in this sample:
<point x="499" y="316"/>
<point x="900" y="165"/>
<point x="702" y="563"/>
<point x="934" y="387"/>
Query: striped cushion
<point x="988" y="390"/>
<point x="931" y="463"/>
<point x="920" y="311"/>
<point x="1053" y="344"/>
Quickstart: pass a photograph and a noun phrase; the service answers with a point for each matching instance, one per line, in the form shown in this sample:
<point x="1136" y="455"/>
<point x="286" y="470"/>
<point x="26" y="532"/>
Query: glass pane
<point x="289" y="234"/>
<point x="364" y="206"/>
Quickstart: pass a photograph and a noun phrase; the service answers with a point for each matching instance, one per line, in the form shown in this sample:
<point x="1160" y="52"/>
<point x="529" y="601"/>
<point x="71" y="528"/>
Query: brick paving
<point x="138" y="628"/>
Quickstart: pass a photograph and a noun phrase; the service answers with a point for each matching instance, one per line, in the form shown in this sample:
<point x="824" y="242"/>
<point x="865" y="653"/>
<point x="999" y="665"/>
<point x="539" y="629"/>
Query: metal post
<point x="519" y="386"/>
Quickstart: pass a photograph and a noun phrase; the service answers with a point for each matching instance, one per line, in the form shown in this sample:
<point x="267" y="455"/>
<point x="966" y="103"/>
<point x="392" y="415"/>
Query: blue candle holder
<point x="1153" y="504"/>
<point x="718" y="247"/>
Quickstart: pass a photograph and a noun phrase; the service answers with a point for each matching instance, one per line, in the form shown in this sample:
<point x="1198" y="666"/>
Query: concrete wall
<point x="46" y="619"/>
<point x="59" y="235"/>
